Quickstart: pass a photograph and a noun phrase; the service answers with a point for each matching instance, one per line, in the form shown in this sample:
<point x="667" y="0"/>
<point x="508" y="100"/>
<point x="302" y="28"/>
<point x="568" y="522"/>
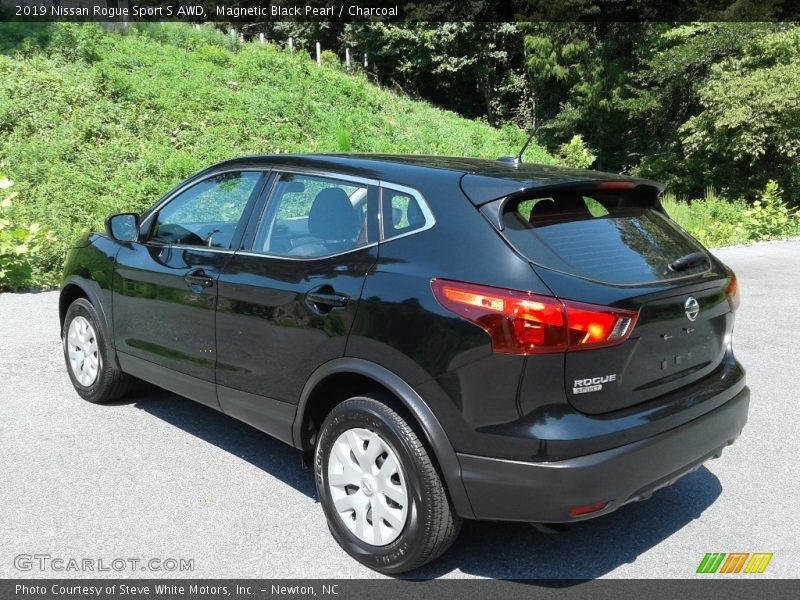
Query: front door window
<point x="207" y="213"/>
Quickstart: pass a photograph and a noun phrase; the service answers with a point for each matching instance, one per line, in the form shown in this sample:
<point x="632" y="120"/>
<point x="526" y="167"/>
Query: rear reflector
<point x="732" y="292"/>
<point x="525" y="323"/>
<point x="585" y="510"/>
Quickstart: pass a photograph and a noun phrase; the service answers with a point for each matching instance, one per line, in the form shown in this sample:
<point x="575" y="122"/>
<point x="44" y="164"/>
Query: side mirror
<point x="123" y="227"/>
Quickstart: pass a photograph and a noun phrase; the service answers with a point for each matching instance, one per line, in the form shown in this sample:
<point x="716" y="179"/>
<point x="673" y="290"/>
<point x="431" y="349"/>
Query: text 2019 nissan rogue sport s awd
<point x="443" y="338"/>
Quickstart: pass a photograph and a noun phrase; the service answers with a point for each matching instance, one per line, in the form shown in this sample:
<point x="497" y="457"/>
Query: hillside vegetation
<point x="93" y="123"/>
<point x="690" y="104"/>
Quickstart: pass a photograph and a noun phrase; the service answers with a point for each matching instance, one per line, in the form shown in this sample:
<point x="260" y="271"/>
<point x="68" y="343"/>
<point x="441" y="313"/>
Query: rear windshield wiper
<point x="695" y="259"/>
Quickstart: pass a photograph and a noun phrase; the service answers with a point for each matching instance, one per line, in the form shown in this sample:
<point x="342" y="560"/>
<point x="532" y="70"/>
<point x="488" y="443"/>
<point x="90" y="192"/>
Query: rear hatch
<point x="610" y="244"/>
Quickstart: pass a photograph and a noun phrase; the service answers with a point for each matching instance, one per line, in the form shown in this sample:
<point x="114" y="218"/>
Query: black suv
<point x="442" y="338"/>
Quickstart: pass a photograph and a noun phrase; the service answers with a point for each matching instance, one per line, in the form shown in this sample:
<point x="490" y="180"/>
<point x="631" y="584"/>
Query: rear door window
<point x="610" y="237"/>
<point x="309" y="216"/>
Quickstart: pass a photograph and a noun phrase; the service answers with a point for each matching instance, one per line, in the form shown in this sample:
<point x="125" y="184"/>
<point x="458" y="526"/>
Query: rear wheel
<point x="383" y="498"/>
<point x="87" y="351"/>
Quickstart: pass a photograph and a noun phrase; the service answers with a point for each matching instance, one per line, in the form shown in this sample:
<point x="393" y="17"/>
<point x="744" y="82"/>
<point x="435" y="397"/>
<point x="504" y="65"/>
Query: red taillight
<point x="525" y="323"/>
<point x="732" y="292"/>
<point x="585" y="510"/>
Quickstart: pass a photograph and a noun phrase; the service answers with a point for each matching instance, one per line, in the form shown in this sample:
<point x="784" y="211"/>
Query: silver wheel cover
<point x="82" y="351"/>
<point x="368" y="487"/>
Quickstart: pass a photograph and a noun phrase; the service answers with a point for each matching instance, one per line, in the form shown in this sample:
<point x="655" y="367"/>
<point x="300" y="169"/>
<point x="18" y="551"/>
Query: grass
<point x="93" y="123"/>
<point x="711" y="219"/>
<point x="718" y="221"/>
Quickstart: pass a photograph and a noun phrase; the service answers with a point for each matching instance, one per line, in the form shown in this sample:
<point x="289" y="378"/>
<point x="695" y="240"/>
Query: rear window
<point x="612" y="237"/>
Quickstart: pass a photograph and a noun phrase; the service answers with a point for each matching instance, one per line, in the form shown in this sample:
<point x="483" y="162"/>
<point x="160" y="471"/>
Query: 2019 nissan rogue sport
<point x="443" y="338"/>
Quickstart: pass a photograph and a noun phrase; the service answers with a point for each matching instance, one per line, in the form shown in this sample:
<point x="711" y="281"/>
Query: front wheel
<point x="87" y="351"/>
<point x="382" y="496"/>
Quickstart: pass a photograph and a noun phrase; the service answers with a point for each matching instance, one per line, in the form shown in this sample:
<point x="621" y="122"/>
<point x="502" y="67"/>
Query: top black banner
<point x="248" y="11"/>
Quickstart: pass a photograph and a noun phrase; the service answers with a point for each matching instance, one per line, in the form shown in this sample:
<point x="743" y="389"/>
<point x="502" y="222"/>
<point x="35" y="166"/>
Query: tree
<point x="747" y="131"/>
<point x="710" y="103"/>
<point x="578" y="75"/>
<point x="474" y="68"/>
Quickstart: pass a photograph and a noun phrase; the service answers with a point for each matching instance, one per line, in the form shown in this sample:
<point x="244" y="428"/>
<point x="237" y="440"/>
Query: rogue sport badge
<point x="692" y="308"/>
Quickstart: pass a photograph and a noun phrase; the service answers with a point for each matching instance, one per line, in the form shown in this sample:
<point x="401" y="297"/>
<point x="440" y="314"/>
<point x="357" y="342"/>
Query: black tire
<point x="110" y="383"/>
<point x="431" y="525"/>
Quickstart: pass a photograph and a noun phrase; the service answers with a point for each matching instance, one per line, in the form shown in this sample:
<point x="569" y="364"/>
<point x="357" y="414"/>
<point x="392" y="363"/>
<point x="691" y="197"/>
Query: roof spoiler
<point x="650" y="190"/>
<point x="481" y="189"/>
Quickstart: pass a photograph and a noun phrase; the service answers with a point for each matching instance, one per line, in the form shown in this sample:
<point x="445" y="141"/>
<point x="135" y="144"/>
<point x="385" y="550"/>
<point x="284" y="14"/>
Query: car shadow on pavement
<point x="586" y="550"/>
<point x="227" y="433"/>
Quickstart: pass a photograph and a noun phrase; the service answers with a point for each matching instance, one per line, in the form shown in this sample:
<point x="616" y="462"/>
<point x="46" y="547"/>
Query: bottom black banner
<point x="394" y="589"/>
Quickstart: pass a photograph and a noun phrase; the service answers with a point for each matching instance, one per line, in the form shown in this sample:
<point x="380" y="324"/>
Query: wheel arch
<point x="76" y="287"/>
<point x="359" y="375"/>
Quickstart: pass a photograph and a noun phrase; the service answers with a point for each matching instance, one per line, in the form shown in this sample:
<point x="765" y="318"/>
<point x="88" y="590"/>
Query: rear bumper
<point x="545" y="492"/>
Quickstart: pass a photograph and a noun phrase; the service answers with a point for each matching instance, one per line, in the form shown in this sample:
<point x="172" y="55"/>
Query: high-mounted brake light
<point x="525" y="323"/>
<point x="732" y="292"/>
<point x="615" y="185"/>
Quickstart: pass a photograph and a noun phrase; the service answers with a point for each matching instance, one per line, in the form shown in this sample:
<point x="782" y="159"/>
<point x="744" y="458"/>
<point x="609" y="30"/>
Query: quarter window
<point x="401" y="213"/>
<point x="208" y="213"/>
<point x="309" y="216"/>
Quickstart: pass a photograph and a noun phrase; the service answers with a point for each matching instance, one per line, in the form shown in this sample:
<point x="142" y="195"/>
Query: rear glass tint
<point x="610" y="237"/>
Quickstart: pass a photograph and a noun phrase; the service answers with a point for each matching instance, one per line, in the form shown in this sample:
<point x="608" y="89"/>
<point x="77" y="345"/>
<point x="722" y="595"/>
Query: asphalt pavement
<point x="158" y="477"/>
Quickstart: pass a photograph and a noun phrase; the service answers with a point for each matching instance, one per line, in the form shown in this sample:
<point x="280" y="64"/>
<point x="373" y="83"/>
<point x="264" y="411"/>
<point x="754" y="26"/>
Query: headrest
<point x="332" y="216"/>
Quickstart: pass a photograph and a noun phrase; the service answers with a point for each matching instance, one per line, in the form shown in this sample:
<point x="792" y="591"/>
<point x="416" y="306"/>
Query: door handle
<point x="198" y="277"/>
<point x="335" y="300"/>
<point x="324" y="299"/>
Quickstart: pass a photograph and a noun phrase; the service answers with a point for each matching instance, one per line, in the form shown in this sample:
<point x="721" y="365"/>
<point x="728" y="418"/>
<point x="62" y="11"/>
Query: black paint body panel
<point x="270" y="338"/>
<point x="506" y="490"/>
<point x="252" y="345"/>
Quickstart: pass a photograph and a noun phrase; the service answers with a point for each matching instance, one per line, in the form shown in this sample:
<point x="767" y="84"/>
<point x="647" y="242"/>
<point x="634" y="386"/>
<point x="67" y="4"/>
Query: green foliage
<point x="716" y="104"/>
<point x="714" y="220"/>
<point x="112" y="127"/>
<point x="329" y="59"/>
<point x="304" y="34"/>
<point x="215" y="54"/>
<point x="694" y="104"/>
<point x="579" y="73"/>
<point x="343" y="140"/>
<point x="717" y="221"/>
<point x="691" y="104"/>
<point x="77" y="42"/>
<point x="769" y="218"/>
<point x="21" y="247"/>
<point x="184" y="36"/>
<point x="25" y="38"/>
<point x="749" y="121"/>
<point x="475" y="68"/>
<point x="576" y="153"/>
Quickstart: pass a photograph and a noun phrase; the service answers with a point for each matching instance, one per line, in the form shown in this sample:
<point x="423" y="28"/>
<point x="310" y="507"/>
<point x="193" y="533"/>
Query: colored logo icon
<point x="734" y="562"/>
